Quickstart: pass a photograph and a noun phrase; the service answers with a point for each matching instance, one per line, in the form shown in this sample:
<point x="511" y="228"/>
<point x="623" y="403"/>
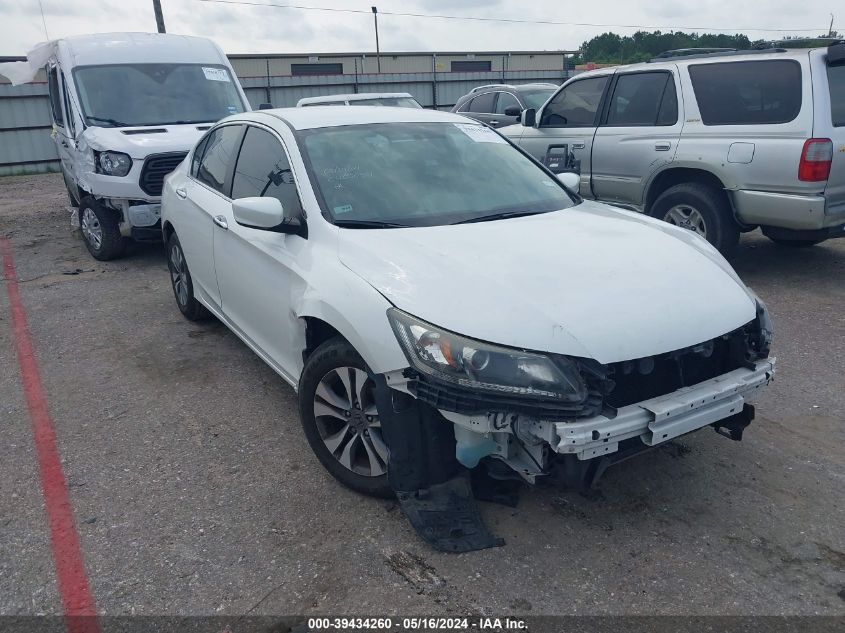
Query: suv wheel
<point x="340" y="419"/>
<point x="183" y="285"/>
<point x="701" y="209"/>
<point x="100" y="230"/>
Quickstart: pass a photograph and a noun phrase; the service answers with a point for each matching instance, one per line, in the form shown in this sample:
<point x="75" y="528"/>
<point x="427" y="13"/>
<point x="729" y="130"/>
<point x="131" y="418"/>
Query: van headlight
<point x="114" y="163"/>
<point x="485" y="367"/>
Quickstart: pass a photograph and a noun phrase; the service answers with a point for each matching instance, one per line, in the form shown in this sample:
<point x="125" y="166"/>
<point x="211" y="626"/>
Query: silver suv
<point x="719" y="143"/>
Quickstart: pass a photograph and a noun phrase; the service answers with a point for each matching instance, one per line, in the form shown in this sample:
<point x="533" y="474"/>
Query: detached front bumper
<point x="659" y="419"/>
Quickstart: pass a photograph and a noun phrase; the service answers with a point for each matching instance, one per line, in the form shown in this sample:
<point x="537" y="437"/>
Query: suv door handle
<point x="664" y="146"/>
<point x="577" y="146"/>
<point x="220" y="221"/>
<point x="182" y="192"/>
<point x="493" y="122"/>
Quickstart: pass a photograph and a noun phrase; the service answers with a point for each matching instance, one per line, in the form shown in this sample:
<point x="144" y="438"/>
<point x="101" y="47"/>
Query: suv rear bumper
<point x="783" y="210"/>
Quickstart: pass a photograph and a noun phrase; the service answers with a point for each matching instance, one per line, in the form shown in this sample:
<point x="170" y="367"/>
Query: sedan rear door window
<point x="219" y="157"/>
<point x="263" y="169"/>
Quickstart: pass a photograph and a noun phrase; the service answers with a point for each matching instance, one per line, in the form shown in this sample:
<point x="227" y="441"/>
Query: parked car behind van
<point x="717" y="143"/>
<point x="395" y="99"/>
<point x="126" y="109"/>
<point x="499" y="105"/>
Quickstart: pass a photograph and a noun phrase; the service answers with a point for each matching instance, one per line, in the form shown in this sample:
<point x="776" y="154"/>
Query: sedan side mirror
<point x="528" y="117"/>
<point x="513" y="110"/>
<point x="570" y="180"/>
<point x="266" y="214"/>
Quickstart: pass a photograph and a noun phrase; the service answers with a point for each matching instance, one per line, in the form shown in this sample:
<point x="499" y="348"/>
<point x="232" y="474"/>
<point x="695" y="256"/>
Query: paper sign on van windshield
<point x="215" y="74"/>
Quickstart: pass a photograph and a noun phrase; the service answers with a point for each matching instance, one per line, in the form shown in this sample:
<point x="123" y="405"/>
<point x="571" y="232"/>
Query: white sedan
<point x="442" y="302"/>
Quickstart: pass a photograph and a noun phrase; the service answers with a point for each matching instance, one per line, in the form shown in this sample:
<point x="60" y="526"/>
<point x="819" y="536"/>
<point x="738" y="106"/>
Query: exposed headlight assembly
<point x="113" y="163"/>
<point x="484" y="367"/>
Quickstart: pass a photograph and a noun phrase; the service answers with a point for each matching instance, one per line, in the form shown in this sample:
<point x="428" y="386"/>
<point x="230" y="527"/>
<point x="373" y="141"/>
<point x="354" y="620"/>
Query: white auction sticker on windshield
<point x="215" y="74"/>
<point x="479" y="133"/>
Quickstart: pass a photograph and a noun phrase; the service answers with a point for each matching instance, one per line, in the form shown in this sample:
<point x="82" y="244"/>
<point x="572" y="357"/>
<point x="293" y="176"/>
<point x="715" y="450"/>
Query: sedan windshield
<point x="424" y="174"/>
<point x="536" y="98"/>
<point x="156" y="94"/>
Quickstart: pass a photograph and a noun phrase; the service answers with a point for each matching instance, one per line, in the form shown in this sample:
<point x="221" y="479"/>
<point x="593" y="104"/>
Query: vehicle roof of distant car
<point x="517" y="87"/>
<point x="334" y="116"/>
<point x="134" y="48"/>
<point x="360" y="96"/>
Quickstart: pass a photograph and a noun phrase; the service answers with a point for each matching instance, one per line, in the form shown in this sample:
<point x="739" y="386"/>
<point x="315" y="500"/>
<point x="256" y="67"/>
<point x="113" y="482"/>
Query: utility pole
<point x="830" y="30"/>
<point x="378" y="52"/>
<point x="159" y="16"/>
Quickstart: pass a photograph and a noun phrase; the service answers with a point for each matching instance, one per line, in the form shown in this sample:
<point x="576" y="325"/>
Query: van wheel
<point x="700" y="209"/>
<point x="182" y="283"/>
<point x="101" y="230"/>
<point x="341" y="422"/>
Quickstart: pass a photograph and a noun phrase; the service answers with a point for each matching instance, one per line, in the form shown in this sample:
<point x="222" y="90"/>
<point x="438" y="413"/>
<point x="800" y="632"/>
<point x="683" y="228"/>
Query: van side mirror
<point x="266" y="214"/>
<point x="513" y="110"/>
<point x="529" y="117"/>
<point x="265" y="106"/>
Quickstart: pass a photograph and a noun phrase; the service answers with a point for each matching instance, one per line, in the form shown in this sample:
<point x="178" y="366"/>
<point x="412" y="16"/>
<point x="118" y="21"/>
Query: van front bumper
<point x="659" y="419"/>
<point x="787" y="211"/>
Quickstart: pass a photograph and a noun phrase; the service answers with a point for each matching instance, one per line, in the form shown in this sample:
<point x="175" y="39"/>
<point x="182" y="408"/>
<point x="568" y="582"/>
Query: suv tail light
<point x="815" y="160"/>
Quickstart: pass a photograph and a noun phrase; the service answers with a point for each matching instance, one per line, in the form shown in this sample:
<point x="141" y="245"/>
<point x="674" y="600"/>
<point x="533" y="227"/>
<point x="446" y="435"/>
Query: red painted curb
<point x="67" y="554"/>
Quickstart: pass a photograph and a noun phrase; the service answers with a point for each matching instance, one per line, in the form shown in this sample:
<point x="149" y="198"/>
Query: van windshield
<point x="123" y="95"/>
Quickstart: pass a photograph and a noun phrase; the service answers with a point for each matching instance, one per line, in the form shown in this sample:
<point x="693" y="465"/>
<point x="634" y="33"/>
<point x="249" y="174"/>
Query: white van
<point x="127" y="108"/>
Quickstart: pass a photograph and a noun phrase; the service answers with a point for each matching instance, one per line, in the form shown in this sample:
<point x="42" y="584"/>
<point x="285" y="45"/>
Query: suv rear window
<point x="836" y="83"/>
<point x="747" y="93"/>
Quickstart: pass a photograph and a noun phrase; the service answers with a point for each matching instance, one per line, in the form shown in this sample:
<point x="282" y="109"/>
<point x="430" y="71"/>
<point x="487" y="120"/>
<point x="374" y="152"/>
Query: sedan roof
<point x="334" y="116"/>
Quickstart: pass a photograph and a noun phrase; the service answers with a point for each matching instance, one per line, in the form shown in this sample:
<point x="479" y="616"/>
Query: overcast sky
<point x="251" y="29"/>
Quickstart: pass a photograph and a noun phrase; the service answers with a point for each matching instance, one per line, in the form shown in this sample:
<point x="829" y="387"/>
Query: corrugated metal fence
<point x="25" y="121"/>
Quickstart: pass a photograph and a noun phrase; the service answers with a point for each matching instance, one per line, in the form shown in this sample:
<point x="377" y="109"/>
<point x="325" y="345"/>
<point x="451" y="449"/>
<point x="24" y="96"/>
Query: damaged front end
<point x="523" y="415"/>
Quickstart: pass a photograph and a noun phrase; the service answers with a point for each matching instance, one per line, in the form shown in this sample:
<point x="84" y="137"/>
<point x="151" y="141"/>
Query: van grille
<point x="156" y="168"/>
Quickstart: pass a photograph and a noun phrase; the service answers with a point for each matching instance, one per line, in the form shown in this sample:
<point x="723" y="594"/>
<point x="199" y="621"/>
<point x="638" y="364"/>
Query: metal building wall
<point x="25" y="122"/>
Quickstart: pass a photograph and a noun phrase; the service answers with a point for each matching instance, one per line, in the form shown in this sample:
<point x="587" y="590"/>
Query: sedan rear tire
<point x="182" y="283"/>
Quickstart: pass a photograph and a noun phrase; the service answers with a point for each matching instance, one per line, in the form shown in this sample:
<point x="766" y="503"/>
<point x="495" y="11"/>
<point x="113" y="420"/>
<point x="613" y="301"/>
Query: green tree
<point x="643" y="45"/>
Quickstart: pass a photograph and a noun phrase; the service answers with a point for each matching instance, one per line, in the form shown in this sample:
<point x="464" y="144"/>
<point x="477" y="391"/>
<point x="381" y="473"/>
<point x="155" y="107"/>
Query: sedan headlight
<point x="476" y="365"/>
<point x="114" y="163"/>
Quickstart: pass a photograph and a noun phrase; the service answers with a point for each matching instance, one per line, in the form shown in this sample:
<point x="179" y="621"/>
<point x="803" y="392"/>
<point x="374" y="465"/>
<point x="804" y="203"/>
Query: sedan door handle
<point x="182" y="192"/>
<point x="577" y="146"/>
<point x="493" y="122"/>
<point x="663" y="147"/>
<point x="220" y="221"/>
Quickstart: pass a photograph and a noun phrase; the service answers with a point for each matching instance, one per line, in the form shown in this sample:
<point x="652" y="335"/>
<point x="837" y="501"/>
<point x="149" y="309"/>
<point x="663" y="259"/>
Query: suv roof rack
<point x="514" y="86"/>
<point x="695" y="53"/>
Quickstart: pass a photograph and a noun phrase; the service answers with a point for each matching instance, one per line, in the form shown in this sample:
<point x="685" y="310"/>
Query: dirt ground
<point x="195" y="493"/>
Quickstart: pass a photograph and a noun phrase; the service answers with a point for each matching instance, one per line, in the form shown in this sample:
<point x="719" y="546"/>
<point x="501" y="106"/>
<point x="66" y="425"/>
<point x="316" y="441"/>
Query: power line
<point x="504" y="20"/>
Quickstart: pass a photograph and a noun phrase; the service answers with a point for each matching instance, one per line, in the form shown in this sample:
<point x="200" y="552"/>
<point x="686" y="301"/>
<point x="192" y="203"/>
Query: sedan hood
<point x="588" y="281"/>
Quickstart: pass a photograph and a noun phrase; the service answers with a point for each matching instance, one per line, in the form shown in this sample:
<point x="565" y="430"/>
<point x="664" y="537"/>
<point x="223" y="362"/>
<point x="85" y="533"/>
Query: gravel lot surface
<point x="195" y="492"/>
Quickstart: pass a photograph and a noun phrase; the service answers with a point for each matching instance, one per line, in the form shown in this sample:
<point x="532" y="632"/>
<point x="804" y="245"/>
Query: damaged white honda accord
<point x="443" y="303"/>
